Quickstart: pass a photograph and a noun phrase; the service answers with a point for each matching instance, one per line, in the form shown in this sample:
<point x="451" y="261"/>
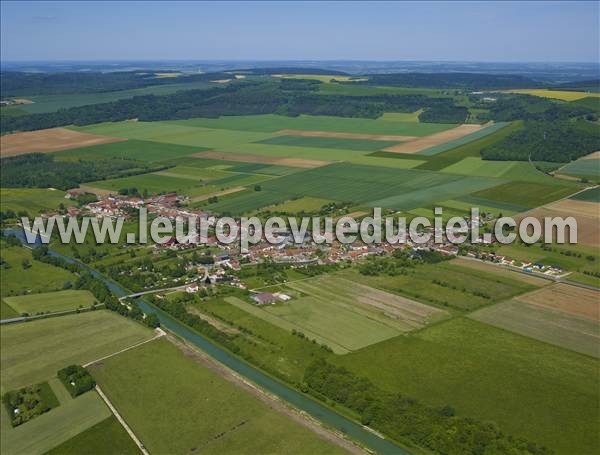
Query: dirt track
<point x="50" y="140"/>
<point x="372" y="137"/>
<point x="432" y="140"/>
<point x="269" y="400"/>
<point x="246" y="158"/>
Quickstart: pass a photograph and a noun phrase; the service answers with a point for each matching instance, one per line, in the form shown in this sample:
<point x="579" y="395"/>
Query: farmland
<point x="30" y="200"/>
<point x="36" y="351"/>
<point x="557" y="94"/>
<point x="583" y="168"/>
<point x="328" y="142"/>
<point x="51" y="301"/>
<point x="542" y="392"/>
<point x="198" y="409"/>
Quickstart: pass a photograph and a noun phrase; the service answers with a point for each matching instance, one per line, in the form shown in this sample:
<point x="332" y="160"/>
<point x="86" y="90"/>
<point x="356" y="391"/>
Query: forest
<point x="37" y="170"/>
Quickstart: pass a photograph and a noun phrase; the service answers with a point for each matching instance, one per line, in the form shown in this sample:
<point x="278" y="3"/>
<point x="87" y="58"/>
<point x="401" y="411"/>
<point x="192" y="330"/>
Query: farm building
<point x="263" y="298"/>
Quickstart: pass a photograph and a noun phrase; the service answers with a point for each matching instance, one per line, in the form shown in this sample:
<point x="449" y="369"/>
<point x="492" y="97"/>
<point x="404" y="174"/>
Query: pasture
<point x="50" y="140"/>
<point x="34" y="351"/>
<point x="563" y="95"/>
<point x="30" y="200"/>
<point x="49" y="302"/>
<point x="541" y="392"/>
<point x="39" y="277"/>
<point x="199" y="410"/>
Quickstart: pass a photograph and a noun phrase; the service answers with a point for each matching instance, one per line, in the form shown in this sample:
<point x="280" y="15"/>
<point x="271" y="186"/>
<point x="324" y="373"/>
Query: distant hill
<point x="289" y="70"/>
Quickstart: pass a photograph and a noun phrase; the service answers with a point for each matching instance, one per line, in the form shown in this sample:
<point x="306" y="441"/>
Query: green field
<point x="50" y="301"/>
<point x="271" y="123"/>
<point x="31" y="200"/>
<point x="377" y="186"/>
<point x="558" y="328"/>
<point x="483" y="132"/>
<point x="35" y="351"/>
<point x="197" y="410"/>
<point x="447" y="285"/>
<point x="329" y="142"/>
<point x="52" y="103"/>
<point x="529" y="388"/>
<point x="132" y="150"/>
<point x="591" y="195"/>
<point x="39" y="277"/>
<point x="526" y="194"/>
<point x="304" y="204"/>
<point x="73" y="416"/>
<point x="589" y="168"/>
<point x="105" y="438"/>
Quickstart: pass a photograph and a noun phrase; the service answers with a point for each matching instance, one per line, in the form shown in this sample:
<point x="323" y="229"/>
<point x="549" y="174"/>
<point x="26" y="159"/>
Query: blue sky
<point x="467" y="31"/>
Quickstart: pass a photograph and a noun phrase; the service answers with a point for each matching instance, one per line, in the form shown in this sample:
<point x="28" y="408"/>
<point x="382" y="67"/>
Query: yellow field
<point x="556" y="94"/>
<point x="318" y="77"/>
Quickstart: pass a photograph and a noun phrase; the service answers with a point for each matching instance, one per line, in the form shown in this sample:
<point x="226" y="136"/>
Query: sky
<point x="458" y="31"/>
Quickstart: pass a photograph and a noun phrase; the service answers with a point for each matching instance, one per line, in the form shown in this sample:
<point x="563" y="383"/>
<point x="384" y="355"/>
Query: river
<point x="296" y="398"/>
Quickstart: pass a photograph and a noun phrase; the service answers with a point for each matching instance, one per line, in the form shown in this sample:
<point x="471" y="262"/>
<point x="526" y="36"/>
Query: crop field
<point x="454" y="143"/>
<point x="34" y="351"/>
<point x="540" y="322"/>
<point x="528" y="194"/>
<point x="272" y="123"/>
<point x="328" y="142"/>
<point x="402" y="116"/>
<point x="247" y="201"/>
<point x="50" y="140"/>
<point x="477" y="166"/>
<point x="568" y="299"/>
<point x="132" y="150"/>
<point x="40" y="277"/>
<point x="587" y="168"/>
<point x="587" y="215"/>
<point x="304" y="204"/>
<point x="389" y="138"/>
<point x="260" y="159"/>
<point x="104" y="438"/>
<point x="591" y="195"/>
<point x="563" y="95"/>
<point x="31" y="200"/>
<point x="198" y="410"/>
<point x="377" y="186"/>
<point x="423" y="144"/>
<point x="542" y="392"/>
<point x="315" y="77"/>
<point x="448" y="285"/>
<point x="52" y="103"/>
<point x="73" y="416"/>
<point x="50" y="301"/>
<point x="500" y="271"/>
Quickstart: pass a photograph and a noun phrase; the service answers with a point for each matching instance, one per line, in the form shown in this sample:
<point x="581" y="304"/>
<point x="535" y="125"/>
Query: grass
<point x="131" y="150"/>
<point x="555" y="327"/>
<point x="529" y="388"/>
<point x="36" y="350"/>
<point x="51" y="301"/>
<point x="39" y="277"/>
<point x="197" y="410"/>
<point x="6" y="311"/>
<point x="563" y="95"/>
<point x="591" y="195"/>
<point x="53" y="428"/>
<point x="105" y="438"/>
<point x="329" y="142"/>
<point x="402" y="116"/>
<point x="304" y="204"/>
<point x="31" y="200"/>
<point x="245" y="202"/>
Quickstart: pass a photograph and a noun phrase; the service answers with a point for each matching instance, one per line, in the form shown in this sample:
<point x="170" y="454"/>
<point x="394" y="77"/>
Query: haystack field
<point x="422" y="143"/>
<point x="50" y="140"/>
<point x="248" y="158"/>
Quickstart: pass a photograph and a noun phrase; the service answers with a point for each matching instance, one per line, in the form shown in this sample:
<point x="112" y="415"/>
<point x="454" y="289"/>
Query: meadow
<point x="51" y="301"/>
<point x="38" y="277"/>
<point x="529" y="388"/>
<point x="198" y="409"/>
<point x="34" y="351"/>
<point x="30" y="200"/>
